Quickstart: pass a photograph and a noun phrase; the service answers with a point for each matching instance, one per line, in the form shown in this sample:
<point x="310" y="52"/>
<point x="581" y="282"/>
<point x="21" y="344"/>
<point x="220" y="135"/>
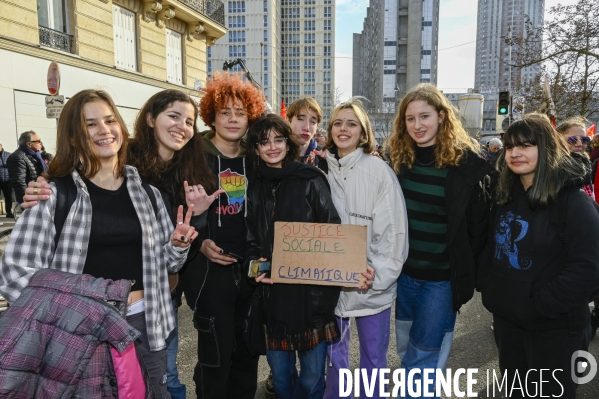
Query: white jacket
<point x="366" y="192"/>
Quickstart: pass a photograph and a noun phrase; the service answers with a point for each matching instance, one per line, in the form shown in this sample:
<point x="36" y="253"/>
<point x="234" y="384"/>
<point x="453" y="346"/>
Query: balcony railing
<point x="55" y="39"/>
<point x="213" y="9"/>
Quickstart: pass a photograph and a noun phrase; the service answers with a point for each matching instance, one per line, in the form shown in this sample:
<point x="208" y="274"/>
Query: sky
<point x="457" y="33"/>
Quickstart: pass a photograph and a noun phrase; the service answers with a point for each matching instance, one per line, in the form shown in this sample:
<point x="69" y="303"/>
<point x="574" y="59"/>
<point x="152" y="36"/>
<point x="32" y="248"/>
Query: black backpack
<point x="66" y="193"/>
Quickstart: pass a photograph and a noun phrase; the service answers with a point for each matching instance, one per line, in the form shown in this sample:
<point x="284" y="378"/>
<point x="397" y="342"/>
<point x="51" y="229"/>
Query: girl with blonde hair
<point x="445" y="184"/>
<point x="366" y="193"/>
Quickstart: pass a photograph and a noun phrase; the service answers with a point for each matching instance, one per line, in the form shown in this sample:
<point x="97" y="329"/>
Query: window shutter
<point x="174" y="66"/>
<point x="125" y="56"/>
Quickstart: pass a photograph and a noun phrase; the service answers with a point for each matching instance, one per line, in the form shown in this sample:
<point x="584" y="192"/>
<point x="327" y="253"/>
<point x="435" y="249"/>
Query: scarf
<point x="289" y="306"/>
<point x="37" y="155"/>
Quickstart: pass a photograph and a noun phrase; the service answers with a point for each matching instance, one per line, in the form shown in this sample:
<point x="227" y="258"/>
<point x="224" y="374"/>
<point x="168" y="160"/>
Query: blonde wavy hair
<point x="452" y="141"/>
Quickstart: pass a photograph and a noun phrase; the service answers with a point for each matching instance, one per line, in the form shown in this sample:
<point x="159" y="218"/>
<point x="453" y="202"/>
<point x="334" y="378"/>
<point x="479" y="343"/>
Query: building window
<point x="309" y="64"/>
<point x="265" y="6"/>
<point x="327" y="24"/>
<point x="326" y="88"/>
<point x="392" y="44"/>
<point x="309" y="76"/>
<point x="265" y="36"/>
<point x="309" y="25"/>
<point x="426" y="52"/>
<point x="174" y="66"/>
<point x="210" y="52"/>
<point x="291" y="64"/>
<point x="309" y="12"/>
<point x="53" y="26"/>
<point x="265" y="79"/>
<point x="309" y="38"/>
<point x="309" y="90"/>
<point x="389" y="62"/>
<point x="265" y="65"/>
<point x="209" y="66"/>
<point x="309" y="2"/>
<point x="125" y="54"/>
<point x="236" y="36"/>
<point x="265" y="20"/>
<point x="327" y="63"/>
<point x="327" y="12"/>
<point x="237" y="51"/>
<point x="389" y="72"/>
<point x="425" y="71"/>
<point x="237" y="22"/>
<point x="327" y="51"/>
<point x="309" y="51"/>
<point x="266" y="51"/>
<point x="236" y="6"/>
<point x="327" y="38"/>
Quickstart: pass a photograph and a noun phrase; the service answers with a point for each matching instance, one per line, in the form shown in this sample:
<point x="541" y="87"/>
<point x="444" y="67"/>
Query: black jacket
<point x="320" y="208"/>
<point x="22" y="168"/>
<point x="467" y="199"/>
<point x="528" y="275"/>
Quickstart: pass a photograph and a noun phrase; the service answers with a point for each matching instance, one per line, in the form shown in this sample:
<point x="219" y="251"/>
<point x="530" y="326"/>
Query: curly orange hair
<point x="226" y="86"/>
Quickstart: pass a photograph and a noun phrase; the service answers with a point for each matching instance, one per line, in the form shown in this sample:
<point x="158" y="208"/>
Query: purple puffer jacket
<point x="55" y="338"/>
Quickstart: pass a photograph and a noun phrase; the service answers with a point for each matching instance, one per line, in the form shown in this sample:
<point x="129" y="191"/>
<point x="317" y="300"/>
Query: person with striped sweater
<point x="445" y="184"/>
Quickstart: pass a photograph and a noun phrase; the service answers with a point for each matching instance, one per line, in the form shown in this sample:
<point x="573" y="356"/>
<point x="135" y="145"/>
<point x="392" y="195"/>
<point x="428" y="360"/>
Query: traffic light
<point x="503" y="103"/>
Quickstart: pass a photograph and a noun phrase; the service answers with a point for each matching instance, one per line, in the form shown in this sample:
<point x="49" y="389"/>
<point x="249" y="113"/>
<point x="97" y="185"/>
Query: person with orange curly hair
<point x="213" y="280"/>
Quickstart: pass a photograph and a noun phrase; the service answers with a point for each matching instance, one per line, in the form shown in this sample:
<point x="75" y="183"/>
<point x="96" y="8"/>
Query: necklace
<point x="424" y="164"/>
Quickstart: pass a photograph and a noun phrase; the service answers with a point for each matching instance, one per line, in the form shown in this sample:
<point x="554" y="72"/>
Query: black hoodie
<point x="527" y="275"/>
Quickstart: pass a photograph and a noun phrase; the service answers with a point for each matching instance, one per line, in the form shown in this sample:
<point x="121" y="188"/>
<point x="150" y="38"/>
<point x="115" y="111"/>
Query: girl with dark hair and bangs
<point x="168" y="152"/>
<point x="299" y="318"/>
<point x="539" y="268"/>
<point x="112" y="224"/>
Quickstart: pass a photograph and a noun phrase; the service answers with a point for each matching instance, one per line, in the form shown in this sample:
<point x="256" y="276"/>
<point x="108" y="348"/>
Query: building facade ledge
<point x="76" y="61"/>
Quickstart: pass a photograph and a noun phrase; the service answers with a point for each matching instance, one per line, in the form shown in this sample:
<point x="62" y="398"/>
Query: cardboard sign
<point x="319" y="253"/>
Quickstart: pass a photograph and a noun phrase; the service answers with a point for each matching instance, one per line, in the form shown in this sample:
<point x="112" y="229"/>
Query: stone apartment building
<point x="129" y="48"/>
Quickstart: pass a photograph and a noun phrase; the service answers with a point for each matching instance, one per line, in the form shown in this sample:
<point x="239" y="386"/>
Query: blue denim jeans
<point x="174" y="386"/>
<point x="424" y="322"/>
<point x="310" y="382"/>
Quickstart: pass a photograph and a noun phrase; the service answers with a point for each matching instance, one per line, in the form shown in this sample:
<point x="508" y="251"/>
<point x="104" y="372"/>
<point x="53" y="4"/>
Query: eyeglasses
<point x="35" y="141"/>
<point x="278" y="141"/>
<point x="318" y="136"/>
<point x="574" y="139"/>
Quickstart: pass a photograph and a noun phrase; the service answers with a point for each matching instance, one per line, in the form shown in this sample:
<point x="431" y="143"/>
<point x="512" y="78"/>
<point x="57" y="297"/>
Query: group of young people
<point x="435" y="232"/>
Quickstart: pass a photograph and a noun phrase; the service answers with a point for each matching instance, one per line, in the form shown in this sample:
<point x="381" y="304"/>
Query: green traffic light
<point x="503" y="111"/>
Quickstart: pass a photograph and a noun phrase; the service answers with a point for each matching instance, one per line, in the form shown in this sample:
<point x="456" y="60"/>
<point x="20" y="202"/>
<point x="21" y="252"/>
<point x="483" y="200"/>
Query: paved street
<point x="473" y="347"/>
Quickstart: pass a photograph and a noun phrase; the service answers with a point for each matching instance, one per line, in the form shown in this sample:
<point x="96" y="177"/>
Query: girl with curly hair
<point x="214" y="280"/>
<point x="445" y="183"/>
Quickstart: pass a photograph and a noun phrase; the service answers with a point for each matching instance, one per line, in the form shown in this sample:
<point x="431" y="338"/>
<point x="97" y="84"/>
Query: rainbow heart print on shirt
<point x="234" y="185"/>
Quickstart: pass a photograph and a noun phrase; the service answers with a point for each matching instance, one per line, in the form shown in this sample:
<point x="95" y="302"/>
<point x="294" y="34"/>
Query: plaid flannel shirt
<point x="31" y="247"/>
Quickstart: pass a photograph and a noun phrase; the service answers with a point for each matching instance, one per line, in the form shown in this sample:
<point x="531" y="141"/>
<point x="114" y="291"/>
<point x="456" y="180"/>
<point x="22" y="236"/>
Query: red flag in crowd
<point x="592" y="130"/>
<point x="283" y="109"/>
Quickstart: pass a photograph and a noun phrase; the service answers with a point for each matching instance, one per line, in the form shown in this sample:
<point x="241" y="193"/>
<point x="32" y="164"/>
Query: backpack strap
<point x="558" y="214"/>
<point x="66" y="193"/>
<point x="152" y="196"/>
